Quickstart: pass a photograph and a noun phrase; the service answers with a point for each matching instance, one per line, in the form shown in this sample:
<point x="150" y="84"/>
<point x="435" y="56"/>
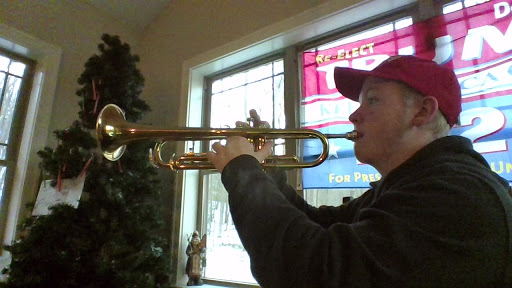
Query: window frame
<point x="202" y="216"/>
<point x="37" y="123"/>
<point x="15" y="133"/>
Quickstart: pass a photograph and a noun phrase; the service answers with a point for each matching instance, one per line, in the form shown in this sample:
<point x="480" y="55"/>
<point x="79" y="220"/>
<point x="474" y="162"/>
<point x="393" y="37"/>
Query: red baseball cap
<point x="426" y="76"/>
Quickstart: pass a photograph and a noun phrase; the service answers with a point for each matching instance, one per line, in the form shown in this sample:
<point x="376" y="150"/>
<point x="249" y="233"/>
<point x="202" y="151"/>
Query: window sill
<point x="211" y="283"/>
<point x="212" y="286"/>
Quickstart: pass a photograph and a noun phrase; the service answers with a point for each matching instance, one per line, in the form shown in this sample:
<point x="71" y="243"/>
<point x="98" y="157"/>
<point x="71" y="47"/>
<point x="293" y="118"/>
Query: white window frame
<point x="15" y="130"/>
<point x="300" y="28"/>
<point x="37" y="123"/>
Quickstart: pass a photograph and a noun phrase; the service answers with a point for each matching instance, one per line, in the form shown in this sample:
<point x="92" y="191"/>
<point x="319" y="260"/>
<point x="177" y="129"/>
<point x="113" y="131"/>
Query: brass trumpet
<point x="114" y="132"/>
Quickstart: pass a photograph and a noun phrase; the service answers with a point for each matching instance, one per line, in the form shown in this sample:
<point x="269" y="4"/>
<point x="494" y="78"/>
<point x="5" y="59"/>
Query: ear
<point x="427" y="109"/>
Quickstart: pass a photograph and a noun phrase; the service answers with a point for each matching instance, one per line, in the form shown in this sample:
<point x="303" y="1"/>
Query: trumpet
<point x="114" y="133"/>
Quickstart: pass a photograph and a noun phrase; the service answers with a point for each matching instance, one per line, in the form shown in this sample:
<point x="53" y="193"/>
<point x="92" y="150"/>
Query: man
<point x="439" y="217"/>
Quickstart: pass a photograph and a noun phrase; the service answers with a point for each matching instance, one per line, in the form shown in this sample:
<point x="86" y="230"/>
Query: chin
<point x="364" y="155"/>
<point x="360" y="157"/>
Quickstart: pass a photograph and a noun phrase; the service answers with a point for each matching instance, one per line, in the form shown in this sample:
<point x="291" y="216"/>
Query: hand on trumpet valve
<point x="236" y="146"/>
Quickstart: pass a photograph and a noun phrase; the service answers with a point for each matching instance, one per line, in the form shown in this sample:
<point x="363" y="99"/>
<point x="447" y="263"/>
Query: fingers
<point x="236" y="146"/>
<point x="211" y="156"/>
<point x="264" y="152"/>
<point x="217" y="158"/>
<point x="269" y="144"/>
<point x="217" y="147"/>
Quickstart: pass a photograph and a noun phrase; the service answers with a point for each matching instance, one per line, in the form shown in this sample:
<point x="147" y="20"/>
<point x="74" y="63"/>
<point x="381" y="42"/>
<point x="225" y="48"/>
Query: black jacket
<point x="441" y="219"/>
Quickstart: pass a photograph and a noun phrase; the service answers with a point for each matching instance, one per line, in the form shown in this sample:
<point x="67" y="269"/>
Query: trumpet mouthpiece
<point x="351" y="135"/>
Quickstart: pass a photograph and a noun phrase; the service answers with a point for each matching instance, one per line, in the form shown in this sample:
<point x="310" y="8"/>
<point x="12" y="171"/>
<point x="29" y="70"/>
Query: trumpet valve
<point x="257" y="142"/>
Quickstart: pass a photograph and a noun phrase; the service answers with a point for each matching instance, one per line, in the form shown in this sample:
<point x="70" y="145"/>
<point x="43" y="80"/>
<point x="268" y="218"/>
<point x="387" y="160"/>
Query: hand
<point x="235" y="146"/>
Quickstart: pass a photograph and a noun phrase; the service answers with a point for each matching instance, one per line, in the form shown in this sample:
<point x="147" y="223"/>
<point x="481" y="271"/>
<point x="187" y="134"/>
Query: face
<point x="382" y="123"/>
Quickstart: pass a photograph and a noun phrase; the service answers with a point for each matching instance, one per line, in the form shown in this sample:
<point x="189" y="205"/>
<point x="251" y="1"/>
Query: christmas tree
<point x="117" y="235"/>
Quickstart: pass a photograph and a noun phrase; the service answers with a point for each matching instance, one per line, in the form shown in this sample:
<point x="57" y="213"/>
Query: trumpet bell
<point x="108" y="129"/>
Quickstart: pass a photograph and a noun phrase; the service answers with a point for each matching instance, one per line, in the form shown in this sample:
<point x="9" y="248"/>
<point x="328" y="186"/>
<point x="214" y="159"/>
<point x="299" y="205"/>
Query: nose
<point x="355" y="116"/>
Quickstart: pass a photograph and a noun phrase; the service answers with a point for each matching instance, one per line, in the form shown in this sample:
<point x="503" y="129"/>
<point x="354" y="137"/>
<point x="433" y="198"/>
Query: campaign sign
<point x="476" y="42"/>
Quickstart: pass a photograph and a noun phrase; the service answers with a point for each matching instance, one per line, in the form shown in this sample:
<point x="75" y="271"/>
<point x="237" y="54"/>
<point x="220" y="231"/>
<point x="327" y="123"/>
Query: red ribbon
<point x="59" y="178"/>
<point x="95" y="95"/>
<point x="96" y="103"/>
<point x="120" y="167"/>
<point x="93" y="90"/>
<point x="86" y="165"/>
<point x="59" y="181"/>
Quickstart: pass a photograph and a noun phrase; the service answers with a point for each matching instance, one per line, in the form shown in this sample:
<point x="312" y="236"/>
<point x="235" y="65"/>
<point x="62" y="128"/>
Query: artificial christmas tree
<point x="117" y="236"/>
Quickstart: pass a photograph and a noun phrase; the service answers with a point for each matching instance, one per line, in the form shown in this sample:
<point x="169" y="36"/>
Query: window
<point x="15" y="82"/>
<point x="329" y="113"/>
<point x="232" y="96"/>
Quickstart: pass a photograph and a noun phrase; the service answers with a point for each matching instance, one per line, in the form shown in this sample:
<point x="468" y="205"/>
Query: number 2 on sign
<point x="492" y="121"/>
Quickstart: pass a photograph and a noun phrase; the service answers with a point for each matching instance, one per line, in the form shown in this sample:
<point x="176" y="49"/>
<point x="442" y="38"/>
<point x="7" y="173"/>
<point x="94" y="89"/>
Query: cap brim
<point x="349" y="82"/>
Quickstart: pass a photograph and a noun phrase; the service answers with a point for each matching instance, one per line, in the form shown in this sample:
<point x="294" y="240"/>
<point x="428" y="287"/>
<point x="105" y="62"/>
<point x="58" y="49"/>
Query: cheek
<point x="391" y="120"/>
<point x="367" y="149"/>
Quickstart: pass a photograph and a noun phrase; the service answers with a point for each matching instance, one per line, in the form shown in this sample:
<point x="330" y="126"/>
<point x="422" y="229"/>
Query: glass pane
<point x="469" y="3"/>
<point x="278" y="67"/>
<point x="260" y="96"/>
<point x="3" y="172"/>
<point x="8" y="104"/>
<point x="226" y="258"/>
<point x="402" y="23"/>
<point x="217" y="86"/>
<point x="231" y="101"/>
<point x="279" y="117"/>
<point x="2" y="81"/>
<point x="4" y="63"/>
<point x="17" y="68"/>
<point x="234" y="81"/>
<point x="452" y="7"/>
<point x="259" y="73"/>
<point x="3" y="152"/>
<point x="331" y="197"/>
<point x="360" y="36"/>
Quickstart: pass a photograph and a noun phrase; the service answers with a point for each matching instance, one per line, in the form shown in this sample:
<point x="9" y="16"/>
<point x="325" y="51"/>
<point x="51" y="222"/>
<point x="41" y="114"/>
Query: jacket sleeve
<point x="324" y="215"/>
<point x="388" y="246"/>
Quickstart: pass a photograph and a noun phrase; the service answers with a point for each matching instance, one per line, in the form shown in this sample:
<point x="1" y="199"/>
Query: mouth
<point x="358" y="135"/>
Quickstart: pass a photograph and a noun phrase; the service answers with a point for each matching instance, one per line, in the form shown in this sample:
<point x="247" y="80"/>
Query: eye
<point x="371" y="100"/>
<point x="370" y="97"/>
